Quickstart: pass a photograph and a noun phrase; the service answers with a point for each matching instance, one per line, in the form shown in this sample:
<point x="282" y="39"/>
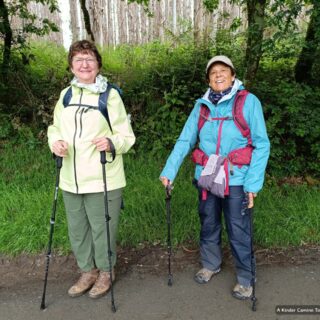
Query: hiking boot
<point x="241" y="292"/>
<point x="85" y="282"/>
<point x="204" y="275"/>
<point x="102" y="285"/>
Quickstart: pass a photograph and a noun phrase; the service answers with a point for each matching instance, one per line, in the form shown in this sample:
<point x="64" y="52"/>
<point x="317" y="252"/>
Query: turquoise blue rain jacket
<point x="251" y="176"/>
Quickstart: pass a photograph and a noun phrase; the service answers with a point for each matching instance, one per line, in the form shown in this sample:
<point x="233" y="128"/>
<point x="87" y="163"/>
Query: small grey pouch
<point x="213" y="176"/>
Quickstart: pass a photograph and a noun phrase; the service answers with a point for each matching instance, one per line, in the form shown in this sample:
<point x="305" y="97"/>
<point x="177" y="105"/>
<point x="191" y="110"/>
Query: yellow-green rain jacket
<point x="78" y="125"/>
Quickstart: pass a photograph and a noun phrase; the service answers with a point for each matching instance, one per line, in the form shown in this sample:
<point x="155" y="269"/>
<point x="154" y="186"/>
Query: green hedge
<point x="161" y="83"/>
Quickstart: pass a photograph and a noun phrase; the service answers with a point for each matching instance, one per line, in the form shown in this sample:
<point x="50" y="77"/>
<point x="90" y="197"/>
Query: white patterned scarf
<point x="99" y="86"/>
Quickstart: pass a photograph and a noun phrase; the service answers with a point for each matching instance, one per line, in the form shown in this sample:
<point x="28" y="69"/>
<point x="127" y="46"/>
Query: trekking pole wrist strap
<point x="112" y="149"/>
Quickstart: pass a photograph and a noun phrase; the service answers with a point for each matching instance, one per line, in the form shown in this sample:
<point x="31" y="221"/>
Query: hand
<point x="102" y="144"/>
<point x="60" y="148"/>
<point x="251" y="196"/>
<point x="165" y="181"/>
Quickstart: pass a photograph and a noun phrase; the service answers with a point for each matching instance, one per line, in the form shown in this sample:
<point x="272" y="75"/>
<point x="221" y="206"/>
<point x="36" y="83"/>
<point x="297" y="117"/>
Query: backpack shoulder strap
<point x="67" y="97"/>
<point x="237" y="113"/>
<point x="103" y="102"/>
<point x="203" y="116"/>
<point x="114" y="86"/>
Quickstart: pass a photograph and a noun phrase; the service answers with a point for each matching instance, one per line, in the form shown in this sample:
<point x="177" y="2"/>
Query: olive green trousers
<point x="88" y="230"/>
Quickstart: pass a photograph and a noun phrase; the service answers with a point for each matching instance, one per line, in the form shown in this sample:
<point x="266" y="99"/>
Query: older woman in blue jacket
<point x="244" y="181"/>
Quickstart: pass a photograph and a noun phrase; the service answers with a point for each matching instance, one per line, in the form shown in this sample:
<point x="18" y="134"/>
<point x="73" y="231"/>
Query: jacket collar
<point x="236" y="86"/>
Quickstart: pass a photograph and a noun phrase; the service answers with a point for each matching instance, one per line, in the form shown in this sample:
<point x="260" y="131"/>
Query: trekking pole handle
<point x="103" y="159"/>
<point x="169" y="188"/>
<point x="58" y="162"/>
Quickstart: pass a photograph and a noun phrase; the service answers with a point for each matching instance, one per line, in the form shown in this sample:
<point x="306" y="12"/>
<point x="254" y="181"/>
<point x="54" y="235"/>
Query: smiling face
<point x="220" y="77"/>
<point x="85" y="67"/>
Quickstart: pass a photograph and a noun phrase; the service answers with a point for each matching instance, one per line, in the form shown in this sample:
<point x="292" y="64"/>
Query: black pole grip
<point x="168" y="190"/>
<point x="59" y="162"/>
<point x="103" y="159"/>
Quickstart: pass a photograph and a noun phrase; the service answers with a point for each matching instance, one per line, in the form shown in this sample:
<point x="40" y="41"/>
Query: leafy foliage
<point x="31" y="91"/>
<point x="211" y="5"/>
<point x="293" y="123"/>
<point x="32" y="24"/>
<point x="15" y="37"/>
<point x="161" y="83"/>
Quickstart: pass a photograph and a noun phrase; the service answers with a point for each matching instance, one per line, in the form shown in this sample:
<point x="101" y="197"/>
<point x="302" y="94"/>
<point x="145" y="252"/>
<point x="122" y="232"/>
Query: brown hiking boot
<point x="242" y="293"/>
<point x="102" y="285"/>
<point x="85" y="282"/>
<point x="204" y="275"/>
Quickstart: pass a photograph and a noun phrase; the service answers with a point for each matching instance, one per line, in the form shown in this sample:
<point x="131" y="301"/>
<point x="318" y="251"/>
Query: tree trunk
<point x="303" y="68"/>
<point x="197" y="21"/>
<point x="96" y="12"/>
<point x="7" y="38"/>
<point x="86" y="18"/>
<point x="256" y="17"/>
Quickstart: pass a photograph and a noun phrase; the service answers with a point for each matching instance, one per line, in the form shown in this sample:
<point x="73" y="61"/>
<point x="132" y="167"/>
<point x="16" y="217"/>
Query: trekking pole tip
<point x="113" y="308"/>
<point x="170" y="280"/>
<point x="254" y="306"/>
<point x="43" y="306"/>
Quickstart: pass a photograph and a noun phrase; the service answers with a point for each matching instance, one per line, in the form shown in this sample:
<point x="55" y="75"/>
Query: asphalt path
<point x="146" y="296"/>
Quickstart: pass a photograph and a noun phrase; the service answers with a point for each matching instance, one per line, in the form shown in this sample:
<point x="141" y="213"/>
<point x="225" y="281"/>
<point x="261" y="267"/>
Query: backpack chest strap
<point x="219" y="132"/>
<point x="221" y="119"/>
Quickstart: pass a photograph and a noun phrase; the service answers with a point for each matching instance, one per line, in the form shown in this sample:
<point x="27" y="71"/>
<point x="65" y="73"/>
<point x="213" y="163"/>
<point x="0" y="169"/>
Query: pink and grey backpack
<point x="239" y="157"/>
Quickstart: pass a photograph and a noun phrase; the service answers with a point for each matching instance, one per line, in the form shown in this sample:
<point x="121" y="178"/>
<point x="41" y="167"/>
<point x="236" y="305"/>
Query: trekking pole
<point x="52" y="221"/>
<point x="169" y="247"/>
<point x="106" y="211"/>
<point x="253" y="264"/>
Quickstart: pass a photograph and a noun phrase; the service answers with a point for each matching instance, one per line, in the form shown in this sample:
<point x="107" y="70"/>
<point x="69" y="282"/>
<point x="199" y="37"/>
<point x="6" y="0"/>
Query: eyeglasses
<point x="87" y="60"/>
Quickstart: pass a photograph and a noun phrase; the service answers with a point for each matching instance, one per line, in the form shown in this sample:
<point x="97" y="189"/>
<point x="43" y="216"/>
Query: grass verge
<point x="283" y="216"/>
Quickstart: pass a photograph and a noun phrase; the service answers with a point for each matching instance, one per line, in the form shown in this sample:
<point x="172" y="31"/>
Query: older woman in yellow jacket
<point x="78" y="134"/>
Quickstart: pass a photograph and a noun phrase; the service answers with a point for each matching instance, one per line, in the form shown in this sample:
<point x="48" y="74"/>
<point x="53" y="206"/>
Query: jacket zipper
<point x="74" y="143"/>
<point x="81" y="113"/>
